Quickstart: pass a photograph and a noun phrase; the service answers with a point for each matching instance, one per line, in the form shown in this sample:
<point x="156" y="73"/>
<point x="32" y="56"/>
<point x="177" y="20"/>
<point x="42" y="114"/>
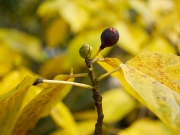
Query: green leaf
<point x="10" y="104"/>
<point x="41" y="105"/>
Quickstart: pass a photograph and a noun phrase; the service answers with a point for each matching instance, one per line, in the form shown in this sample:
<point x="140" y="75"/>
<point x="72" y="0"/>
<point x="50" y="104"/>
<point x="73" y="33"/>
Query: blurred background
<point x="43" y="37"/>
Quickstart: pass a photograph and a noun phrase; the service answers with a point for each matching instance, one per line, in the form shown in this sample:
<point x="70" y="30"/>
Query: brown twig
<point x="96" y="96"/>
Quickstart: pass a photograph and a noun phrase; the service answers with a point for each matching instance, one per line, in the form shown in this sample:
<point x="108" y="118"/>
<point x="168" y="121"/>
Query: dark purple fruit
<point x="109" y="37"/>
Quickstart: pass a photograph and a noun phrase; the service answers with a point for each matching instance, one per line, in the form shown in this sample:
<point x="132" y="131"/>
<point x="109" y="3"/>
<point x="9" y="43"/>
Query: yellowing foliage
<point x="119" y="99"/>
<point x="153" y="77"/>
<point x="43" y="38"/>
<point x="10" y="104"/>
<point x="163" y="67"/>
<point x="40" y="106"/>
<point x="144" y="126"/>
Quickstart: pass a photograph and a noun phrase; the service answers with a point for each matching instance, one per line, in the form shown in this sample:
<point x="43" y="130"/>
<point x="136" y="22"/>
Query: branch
<point x="96" y="96"/>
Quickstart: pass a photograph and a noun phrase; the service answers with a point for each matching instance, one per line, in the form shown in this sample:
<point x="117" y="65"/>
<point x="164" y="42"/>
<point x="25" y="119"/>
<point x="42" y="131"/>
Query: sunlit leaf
<point x="116" y="104"/>
<point x="14" y="77"/>
<point x="56" y="32"/>
<point x="165" y="6"/>
<point x="41" y="105"/>
<point x="53" y="66"/>
<point x="48" y="9"/>
<point x="63" y="117"/>
<point x="142" y="8"/>
<point x="163" y="67"/>
<point x="31" y="93"/>
<point x="131" y="37"/>
<point x="157" y="96"/>
<point x="90" y="114"/>
<point x="22" y="42"/>
<point x="147" y="127"/>
<point x="8" y="58"/>
<point x="153" y="79"/>
<point x="10" y="104"/>
<point x="77" y="16"/>
<point x="159" y="44"/>
<point x="86" y="127"/>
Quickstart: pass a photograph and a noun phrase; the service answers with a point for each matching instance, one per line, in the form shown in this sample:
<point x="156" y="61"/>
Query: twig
<point x="108" y="73"/>
<point x="40" y="80"/>
<point x="96" y="96"/>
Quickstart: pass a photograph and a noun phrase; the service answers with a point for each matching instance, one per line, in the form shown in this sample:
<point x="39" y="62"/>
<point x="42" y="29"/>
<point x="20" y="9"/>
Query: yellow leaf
<point x="132" y="37"/>
<point x="8" y="58"/>
<point x="56" y="32"/>
<point x="14" y="77"/>
<point x="89" y="114"/>
<point x="153" y="79"/>
<point x="86" y="127"/>
<point x="54" y="67"/>
<point x="142" y="8"/>
<point x="116" y="104"/>
<point x="22" y="42"/>
<point x="48" y="9"/>
<point x="31" y="93"/>
<point x="77" y="16"/>
<point x="72" y="12"/>
<point x="147" y="127"/>
<point x="159" y="44"/>
<point x="63" y="117"/>
<point x="161" y="66"/>
<point x="158" y="97"/>
<point x="41" y="105"/>
<point x="10" y="104"/>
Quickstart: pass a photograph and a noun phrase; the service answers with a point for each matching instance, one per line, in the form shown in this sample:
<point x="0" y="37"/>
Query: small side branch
<point x="40" y="80"/>
<point x="109" y="73"/>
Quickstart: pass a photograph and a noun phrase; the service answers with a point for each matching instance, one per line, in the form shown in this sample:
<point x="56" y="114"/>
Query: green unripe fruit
<point x="85" y="51"/>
